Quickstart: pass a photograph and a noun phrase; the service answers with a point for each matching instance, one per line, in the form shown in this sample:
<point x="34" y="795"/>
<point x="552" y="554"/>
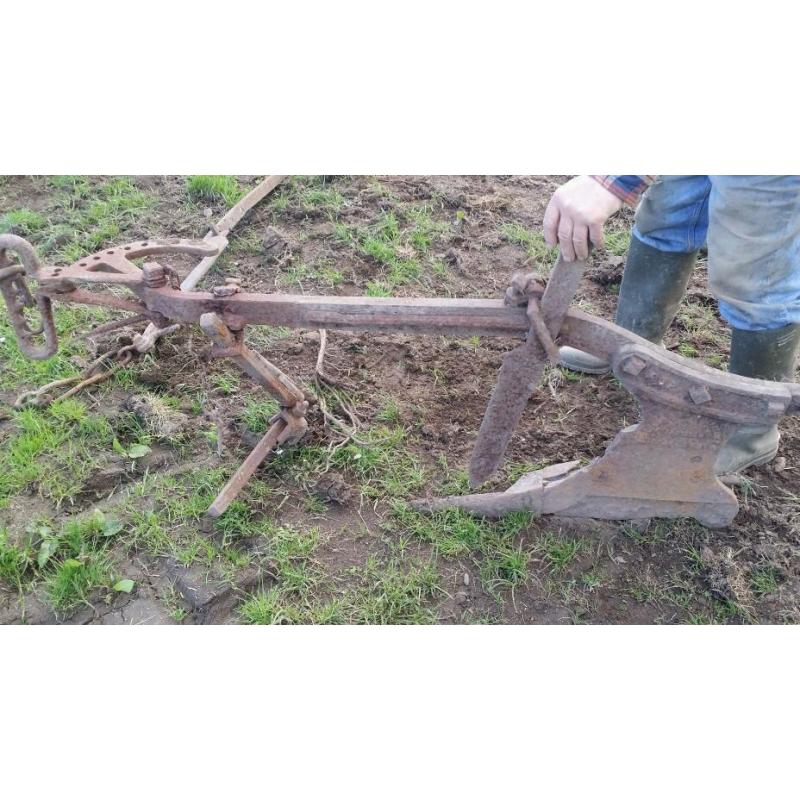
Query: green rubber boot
<point x="653" y="285"/>
<point x="769" y="355"/>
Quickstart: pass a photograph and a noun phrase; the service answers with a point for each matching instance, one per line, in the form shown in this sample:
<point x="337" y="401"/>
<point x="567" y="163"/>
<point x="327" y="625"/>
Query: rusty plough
<point x="661" y="467"/>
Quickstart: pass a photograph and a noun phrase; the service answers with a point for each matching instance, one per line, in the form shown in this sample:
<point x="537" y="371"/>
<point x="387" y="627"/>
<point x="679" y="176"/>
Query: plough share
<point x="661" y="467"/>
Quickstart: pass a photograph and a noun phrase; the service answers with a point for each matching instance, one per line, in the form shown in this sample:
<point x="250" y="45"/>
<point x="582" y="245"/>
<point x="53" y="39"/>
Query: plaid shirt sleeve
<point x="628" y="188"/>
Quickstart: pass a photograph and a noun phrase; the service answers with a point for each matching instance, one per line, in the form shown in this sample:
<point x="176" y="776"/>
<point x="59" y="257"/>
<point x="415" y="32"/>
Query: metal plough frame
<point x="663" y="466"/>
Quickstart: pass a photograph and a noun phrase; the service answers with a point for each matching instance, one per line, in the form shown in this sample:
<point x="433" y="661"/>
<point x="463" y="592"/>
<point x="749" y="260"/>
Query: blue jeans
<point x="751" y="224"/>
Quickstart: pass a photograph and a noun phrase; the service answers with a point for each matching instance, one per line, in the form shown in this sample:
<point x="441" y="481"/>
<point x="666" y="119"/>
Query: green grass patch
<point x="381" y="463"/>
<point x="394" y="593"/>
<point x="764" y="580"/>
<point x="532" y="242"/>
<point x="426" y="230"/>
<point x="322" y="273"/>
<point x="52" y="450"/>
<point x="94" y="216"/>
<point x="559" y="553"/>
<point x="617" y="243"/>
<point x="258" y="413"/>
<point x="502" y="559"/>
<point x="214" y="189"/>
<point x="396" y="248"/>
<point x="22" y="222"/>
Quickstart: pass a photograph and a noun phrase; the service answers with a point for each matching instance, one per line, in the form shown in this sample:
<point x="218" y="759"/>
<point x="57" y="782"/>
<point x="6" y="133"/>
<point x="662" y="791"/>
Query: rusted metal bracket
<point x="288" y="426"/>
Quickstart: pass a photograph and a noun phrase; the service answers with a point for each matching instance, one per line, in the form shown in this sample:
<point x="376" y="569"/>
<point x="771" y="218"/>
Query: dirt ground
<point x="323" y="534"/>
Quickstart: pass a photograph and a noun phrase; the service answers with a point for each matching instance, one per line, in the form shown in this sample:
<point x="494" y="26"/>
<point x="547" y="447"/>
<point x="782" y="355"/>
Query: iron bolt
<point x="699" y="395"/>
<point x="231" y="287"/>
<point x="633" y="365"/>
<point x="155" y="276"/>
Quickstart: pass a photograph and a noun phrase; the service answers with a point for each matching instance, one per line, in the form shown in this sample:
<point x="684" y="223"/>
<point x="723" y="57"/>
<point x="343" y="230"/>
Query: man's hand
<point x="576" y="214"/>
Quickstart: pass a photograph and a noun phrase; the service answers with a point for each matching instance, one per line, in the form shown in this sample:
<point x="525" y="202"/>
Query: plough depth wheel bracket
<point x="663" y="466"/>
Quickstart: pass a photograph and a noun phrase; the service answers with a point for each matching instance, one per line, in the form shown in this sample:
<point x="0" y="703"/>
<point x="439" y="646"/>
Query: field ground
<point x="102" y="495"/>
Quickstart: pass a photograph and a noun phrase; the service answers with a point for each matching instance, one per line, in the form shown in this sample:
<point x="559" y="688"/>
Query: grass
<point x="296" y="574"/>
<point x="764" y="580"/>
<point x="19" y="371"/>
<point x="532" y="242"/>
<point x="52" y="451"/>
<point x="322" y="272"/>
<point x="14" y="562"/>
<point x="397" y="247"/>
<point x="379" y="462"/>
<point x="91" y="221"/>
<point x="617" y="242"/>
<point x="391" y="593"/>
<point x="72" y="582"/>
<point x="214" y="189"/>
<point x="559" y="553"/>
<point x="257" y="414"/>
<point x="22" y="222"/>
<point x="502" y="559"/>
<point x="384" y="592"/>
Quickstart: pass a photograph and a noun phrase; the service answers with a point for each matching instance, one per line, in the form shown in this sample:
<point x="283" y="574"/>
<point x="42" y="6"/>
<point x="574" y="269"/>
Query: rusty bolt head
<point x="227" y="290"/>
<point x="699" y="395"/>
<point x="155" y="276"/>
<point x="633" y="365"/>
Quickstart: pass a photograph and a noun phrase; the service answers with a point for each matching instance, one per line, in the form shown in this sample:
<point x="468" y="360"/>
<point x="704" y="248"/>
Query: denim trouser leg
<point x="752" y="223"/>
<point x="754" y="249"/>
<point x="673" y="214"/>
